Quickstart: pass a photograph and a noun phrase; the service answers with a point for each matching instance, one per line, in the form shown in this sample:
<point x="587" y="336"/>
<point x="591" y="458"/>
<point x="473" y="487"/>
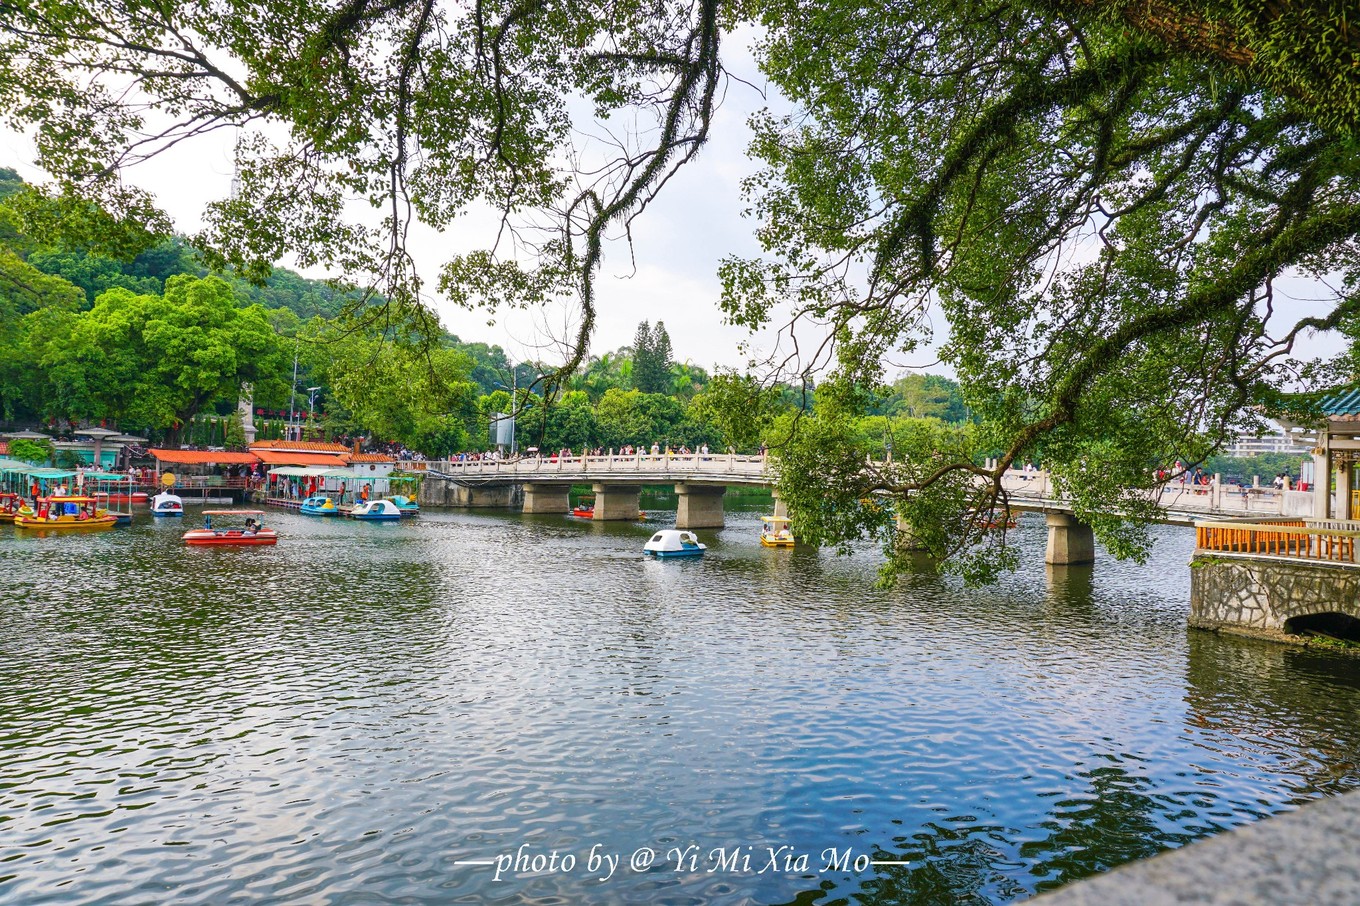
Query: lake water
<point x="356" y="715"/>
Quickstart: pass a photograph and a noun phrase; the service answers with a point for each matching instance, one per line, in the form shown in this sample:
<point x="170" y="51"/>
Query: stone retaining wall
<point x="436" y="492"/>
<point x="1255" y="596"/>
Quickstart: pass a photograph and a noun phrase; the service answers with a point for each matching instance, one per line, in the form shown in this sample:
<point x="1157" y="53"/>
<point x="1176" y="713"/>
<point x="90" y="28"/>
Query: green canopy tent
<point x="107" y="476"/>
<point x="23" y="475"/>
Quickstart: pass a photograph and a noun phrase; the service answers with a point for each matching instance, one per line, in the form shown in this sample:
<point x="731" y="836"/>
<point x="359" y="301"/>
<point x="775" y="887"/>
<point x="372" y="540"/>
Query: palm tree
<point x="687" y="379"/>
<point x="606" y="372"/>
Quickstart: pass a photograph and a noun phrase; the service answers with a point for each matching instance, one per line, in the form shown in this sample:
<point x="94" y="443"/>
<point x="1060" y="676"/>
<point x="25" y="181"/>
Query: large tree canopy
<point x="154" y="361"/>
<point x="1102" y="215"/>
<point x="1099" y="200"/>
<point x="424" y="400"/>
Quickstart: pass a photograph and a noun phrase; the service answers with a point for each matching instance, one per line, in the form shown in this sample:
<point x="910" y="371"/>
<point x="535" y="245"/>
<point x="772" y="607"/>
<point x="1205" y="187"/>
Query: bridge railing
<point x="1173" y="495"/>
<point x="1035" y="487"/>
<point x="1290" y="538"/>
<point x="664" y="466"/>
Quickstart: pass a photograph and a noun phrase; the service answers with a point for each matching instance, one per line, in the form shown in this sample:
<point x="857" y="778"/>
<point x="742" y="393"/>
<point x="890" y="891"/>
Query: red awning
<point x="200" y="457"/>
<point x="272" y="458"/>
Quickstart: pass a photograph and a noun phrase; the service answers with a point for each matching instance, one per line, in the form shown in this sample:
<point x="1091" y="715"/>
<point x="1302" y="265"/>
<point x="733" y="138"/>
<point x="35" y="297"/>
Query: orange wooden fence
<point x="1282" y="538"/>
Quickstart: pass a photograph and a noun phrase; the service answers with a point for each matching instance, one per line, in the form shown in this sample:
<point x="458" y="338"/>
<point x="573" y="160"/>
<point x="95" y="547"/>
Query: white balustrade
<point x="1028" y="490"/>
<point x="727" y="467"/>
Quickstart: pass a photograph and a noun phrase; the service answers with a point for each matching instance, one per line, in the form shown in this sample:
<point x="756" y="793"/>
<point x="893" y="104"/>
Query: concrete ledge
<point x="1309" y="856"/>
<point x="1206" y="555"/>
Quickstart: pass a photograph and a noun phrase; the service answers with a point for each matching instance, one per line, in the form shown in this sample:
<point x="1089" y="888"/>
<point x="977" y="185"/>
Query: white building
<point x="1277" y="442"/>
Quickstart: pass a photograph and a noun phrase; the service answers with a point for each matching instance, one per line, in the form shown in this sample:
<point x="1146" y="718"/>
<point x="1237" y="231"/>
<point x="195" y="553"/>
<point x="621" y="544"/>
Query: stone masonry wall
<point x="1256" y="596"/>
<point x="435" y="492"/>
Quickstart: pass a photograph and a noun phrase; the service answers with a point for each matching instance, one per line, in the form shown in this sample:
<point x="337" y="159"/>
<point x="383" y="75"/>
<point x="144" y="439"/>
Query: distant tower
<point x="246" y="403"/>
<point x="247" y="407"/>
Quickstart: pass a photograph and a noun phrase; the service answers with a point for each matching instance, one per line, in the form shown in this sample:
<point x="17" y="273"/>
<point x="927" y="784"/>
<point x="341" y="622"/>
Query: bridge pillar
<point x="616" y="502"/>
<point x="547" y="498"/>
<point x="781" y="509"/>
<point x="701" y="506"/>
<point x="906" y="537"/>
<point x="1069" y="540"/>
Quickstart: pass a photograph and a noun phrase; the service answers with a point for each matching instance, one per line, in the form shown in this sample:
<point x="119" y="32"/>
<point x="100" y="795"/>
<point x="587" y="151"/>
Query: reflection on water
<point x="350" y="715"/>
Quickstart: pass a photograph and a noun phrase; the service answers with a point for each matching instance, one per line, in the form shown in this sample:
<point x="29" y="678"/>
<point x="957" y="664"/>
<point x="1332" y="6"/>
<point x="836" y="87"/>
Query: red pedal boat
<point x="251" y="534"/>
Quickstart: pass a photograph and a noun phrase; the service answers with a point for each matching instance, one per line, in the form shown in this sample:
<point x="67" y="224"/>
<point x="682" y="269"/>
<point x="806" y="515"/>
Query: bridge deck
<point x="641" y="469"/>
<point x="1032" y="491"/>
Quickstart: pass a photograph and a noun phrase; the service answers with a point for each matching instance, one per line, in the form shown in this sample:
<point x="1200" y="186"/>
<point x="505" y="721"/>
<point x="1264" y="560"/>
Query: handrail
<point x="704" y="465"/>
<point x="1281" y="538"/>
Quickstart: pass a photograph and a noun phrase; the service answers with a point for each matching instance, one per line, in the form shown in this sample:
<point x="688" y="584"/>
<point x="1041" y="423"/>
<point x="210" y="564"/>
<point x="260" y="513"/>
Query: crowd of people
<point x="568" y="453"/>
<point x="398" y="451"/>
<point x="1202" y="481"/>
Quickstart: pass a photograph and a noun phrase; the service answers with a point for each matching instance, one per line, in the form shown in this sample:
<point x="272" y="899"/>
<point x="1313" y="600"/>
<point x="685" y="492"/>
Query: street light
<point x="292" y="394"/>
<point x="311" y="403"/>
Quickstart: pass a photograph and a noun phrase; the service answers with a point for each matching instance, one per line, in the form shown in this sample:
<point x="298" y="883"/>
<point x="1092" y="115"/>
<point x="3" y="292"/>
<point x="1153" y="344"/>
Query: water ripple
<point x="346" y="717"/>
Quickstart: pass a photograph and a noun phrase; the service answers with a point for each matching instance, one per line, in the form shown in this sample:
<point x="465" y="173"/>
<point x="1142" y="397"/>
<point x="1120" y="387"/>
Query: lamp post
<point x="311" y="403"/>
<point x="292" y="395"/>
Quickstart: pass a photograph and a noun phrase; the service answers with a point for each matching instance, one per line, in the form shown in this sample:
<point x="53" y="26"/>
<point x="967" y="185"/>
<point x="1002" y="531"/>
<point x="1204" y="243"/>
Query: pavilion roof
<point x="1342" y="403"/>
<point x="282" y="458"/>
<point x="300" y="446"/>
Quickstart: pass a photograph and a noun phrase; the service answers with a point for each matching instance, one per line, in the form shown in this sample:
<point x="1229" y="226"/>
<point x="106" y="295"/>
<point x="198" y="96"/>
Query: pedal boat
<point x="252" y="534"/>
<point x="669" y="543"/>
<point x="376" y="511"/>
<point x="320" y="505"/>
<point x="167" y="504"/>
<point x="71" y="513"/>
<point x="775" y="532"/>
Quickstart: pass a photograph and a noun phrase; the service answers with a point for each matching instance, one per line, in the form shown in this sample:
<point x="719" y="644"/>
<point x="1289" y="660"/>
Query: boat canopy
<point x="106" y="476"/>
<point x="33" y="471"/>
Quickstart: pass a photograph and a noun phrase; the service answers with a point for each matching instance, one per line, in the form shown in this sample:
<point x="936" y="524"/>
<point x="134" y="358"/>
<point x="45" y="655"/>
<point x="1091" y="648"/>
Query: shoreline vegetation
<point x="101" y="339"/>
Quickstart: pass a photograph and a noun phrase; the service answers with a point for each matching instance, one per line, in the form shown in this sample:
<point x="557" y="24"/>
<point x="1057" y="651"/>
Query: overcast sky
<point x="671" y="275"/>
